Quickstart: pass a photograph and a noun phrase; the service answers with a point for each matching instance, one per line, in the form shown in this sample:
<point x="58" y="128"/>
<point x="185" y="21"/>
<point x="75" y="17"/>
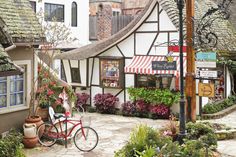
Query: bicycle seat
<point x="59" y="115"/>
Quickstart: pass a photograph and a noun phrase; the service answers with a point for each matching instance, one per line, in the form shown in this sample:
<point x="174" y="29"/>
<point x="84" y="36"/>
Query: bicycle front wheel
<point x="86" y="139"/>
<point x="47" y="134"/>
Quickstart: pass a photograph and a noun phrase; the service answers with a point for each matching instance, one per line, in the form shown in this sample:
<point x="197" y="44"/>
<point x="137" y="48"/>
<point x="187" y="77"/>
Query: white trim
<point x="27" y="88"/>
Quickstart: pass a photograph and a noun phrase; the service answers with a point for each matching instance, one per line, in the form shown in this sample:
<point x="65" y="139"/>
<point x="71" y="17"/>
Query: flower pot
<point x="30" y="142"/>
<point x="29" y="130"/>
<point x="34" y="119"/>
<point x="43" y="113"/>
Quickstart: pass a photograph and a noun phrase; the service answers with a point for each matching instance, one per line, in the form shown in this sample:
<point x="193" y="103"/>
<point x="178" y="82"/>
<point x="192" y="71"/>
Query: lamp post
<point x="180" y="5"/>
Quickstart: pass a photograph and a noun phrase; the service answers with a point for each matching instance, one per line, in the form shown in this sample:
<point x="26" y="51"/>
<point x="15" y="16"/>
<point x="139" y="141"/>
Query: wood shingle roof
<point x="22" y="23"/>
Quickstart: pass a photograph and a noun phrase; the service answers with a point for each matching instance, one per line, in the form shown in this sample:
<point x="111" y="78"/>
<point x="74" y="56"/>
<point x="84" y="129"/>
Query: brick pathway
<point x="113" y="132"/>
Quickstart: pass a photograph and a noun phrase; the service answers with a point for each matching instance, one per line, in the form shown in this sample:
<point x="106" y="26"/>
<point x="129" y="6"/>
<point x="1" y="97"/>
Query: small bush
<point x="211" y="108"/>
<point x="105" y="103"/>
<point x="82" y="98"/>
<point x="128" y="108"/>
<point x="202" y="132"/>
<point x="159" y="111"/>
<point x="11" y="146"/>
<point x="142" y="108"/>
<point x="146" y="142"/>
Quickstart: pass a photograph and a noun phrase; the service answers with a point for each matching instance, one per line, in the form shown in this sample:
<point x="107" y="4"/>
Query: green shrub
<point x="193" y="148"/>
<point x="154" y="96"/>
<point x="142" y="138"/>
<point x="211" y="108"/>
<point x="146" y="142"/>
<point x="11" y="146"/>
<point x="202" y="132"/>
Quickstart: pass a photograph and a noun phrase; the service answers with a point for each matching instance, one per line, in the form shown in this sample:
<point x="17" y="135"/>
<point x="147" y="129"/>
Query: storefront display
<point x="111" y="72"/>
<point x="155" y="81"/>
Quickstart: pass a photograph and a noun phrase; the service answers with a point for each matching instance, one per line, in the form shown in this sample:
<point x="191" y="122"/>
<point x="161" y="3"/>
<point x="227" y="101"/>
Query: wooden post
<point x="190" y="81"/>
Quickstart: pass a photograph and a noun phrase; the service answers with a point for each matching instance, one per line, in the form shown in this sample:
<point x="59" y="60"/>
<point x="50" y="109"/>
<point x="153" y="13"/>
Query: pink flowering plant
<point x="105" y="103"/>
<point x="141" y="108"/>
<point x="82" y="99"/>
<point x="159" y="111"/>
<point x="128" y="108"/>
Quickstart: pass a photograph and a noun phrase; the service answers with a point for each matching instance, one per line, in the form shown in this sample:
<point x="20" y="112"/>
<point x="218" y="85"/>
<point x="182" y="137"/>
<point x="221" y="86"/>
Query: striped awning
<point x="143" y="65"/>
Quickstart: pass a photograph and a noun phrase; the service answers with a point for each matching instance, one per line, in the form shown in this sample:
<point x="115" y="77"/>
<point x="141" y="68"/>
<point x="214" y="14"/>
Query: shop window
<point x="219" y="86"/>
<point x="74" y="14"/>
<point x="54" y="12"/>
<point x="155" y="81"/>
<point x="111" y="73"/>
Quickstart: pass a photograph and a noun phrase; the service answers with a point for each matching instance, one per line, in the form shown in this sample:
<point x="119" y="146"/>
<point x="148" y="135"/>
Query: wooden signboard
<point x="206" y="90"/>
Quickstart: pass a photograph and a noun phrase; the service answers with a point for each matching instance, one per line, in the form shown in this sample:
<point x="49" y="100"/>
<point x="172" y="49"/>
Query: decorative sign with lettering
<point x="202" y="64"/>
<point x="208" y="74"/>
<point x="163" y="65"/>
<point x="206" y="89"/>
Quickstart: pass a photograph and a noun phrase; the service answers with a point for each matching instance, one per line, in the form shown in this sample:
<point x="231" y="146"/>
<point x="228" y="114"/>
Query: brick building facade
<point x="133" y="7"/>
<point x="94" y="6"/>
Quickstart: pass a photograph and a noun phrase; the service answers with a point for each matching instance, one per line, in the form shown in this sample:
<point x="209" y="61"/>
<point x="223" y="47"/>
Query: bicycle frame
<point x="74" y="122"/>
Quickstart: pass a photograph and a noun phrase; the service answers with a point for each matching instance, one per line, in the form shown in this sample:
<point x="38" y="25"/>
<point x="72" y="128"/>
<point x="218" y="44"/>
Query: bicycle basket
<point x="86" y="120"/>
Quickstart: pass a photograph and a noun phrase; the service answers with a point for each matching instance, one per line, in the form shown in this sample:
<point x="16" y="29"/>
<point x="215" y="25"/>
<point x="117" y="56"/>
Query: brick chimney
<point x="104" y="21"/>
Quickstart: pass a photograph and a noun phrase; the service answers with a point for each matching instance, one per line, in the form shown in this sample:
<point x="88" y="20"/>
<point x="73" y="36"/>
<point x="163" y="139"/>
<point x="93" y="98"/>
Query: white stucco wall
<point x="229" y="88"/>
<point x="81" y="32"/>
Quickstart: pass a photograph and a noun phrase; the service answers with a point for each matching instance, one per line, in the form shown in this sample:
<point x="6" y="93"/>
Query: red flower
<point x="39" y="68"/>
<point x="50" y="92"/>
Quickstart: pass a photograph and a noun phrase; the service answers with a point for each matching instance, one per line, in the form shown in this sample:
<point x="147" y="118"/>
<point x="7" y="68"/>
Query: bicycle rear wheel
<point x="47" y="134"/>
<point x="86" y="139"/>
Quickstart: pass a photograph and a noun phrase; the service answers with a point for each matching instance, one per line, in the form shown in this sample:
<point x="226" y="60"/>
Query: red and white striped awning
<point x="143" y="65"/>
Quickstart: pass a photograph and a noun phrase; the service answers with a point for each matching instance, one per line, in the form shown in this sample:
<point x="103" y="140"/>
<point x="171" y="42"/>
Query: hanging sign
<point x="206" y="56"/>
<point x="163" y="65"/>
<point x="206" y="89"/>
<point x="202" y="64"/>
<point x="208" y="74"/>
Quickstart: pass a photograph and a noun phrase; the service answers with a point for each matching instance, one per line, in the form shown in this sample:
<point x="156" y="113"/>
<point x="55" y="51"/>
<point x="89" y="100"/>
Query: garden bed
<point x="220" y="114"/>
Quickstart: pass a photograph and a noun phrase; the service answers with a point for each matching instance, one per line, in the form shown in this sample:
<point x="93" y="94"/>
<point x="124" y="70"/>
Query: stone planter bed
<point x="226" y="134"/>
<point x="220" y="114"/>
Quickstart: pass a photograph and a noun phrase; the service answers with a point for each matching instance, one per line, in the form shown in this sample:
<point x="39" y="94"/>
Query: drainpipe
<point x="10" y="47"/>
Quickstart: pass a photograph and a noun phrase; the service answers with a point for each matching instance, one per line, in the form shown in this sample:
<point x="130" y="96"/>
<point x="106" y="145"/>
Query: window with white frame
<point x="74" y="14"/>
<point x="14" y="89"/>
<point x="54" y="12"/>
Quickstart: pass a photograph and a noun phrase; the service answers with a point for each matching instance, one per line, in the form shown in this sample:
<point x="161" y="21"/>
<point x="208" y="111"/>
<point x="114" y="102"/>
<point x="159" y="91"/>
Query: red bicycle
<point x="85" y="137"/>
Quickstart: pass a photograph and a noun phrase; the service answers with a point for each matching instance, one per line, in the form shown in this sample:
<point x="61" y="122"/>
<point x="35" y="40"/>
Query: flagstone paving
<point x="227" y="147"/>
<point x="113" y="133"/>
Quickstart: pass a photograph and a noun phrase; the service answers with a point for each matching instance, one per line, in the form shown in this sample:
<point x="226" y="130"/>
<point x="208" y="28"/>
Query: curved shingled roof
<point x="21" y="21"/>
<point x="225" y="33"/>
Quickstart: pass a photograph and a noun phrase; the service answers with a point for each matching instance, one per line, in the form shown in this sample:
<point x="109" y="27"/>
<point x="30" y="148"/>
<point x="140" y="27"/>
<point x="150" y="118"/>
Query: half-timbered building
<point x="143" y="54"/>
